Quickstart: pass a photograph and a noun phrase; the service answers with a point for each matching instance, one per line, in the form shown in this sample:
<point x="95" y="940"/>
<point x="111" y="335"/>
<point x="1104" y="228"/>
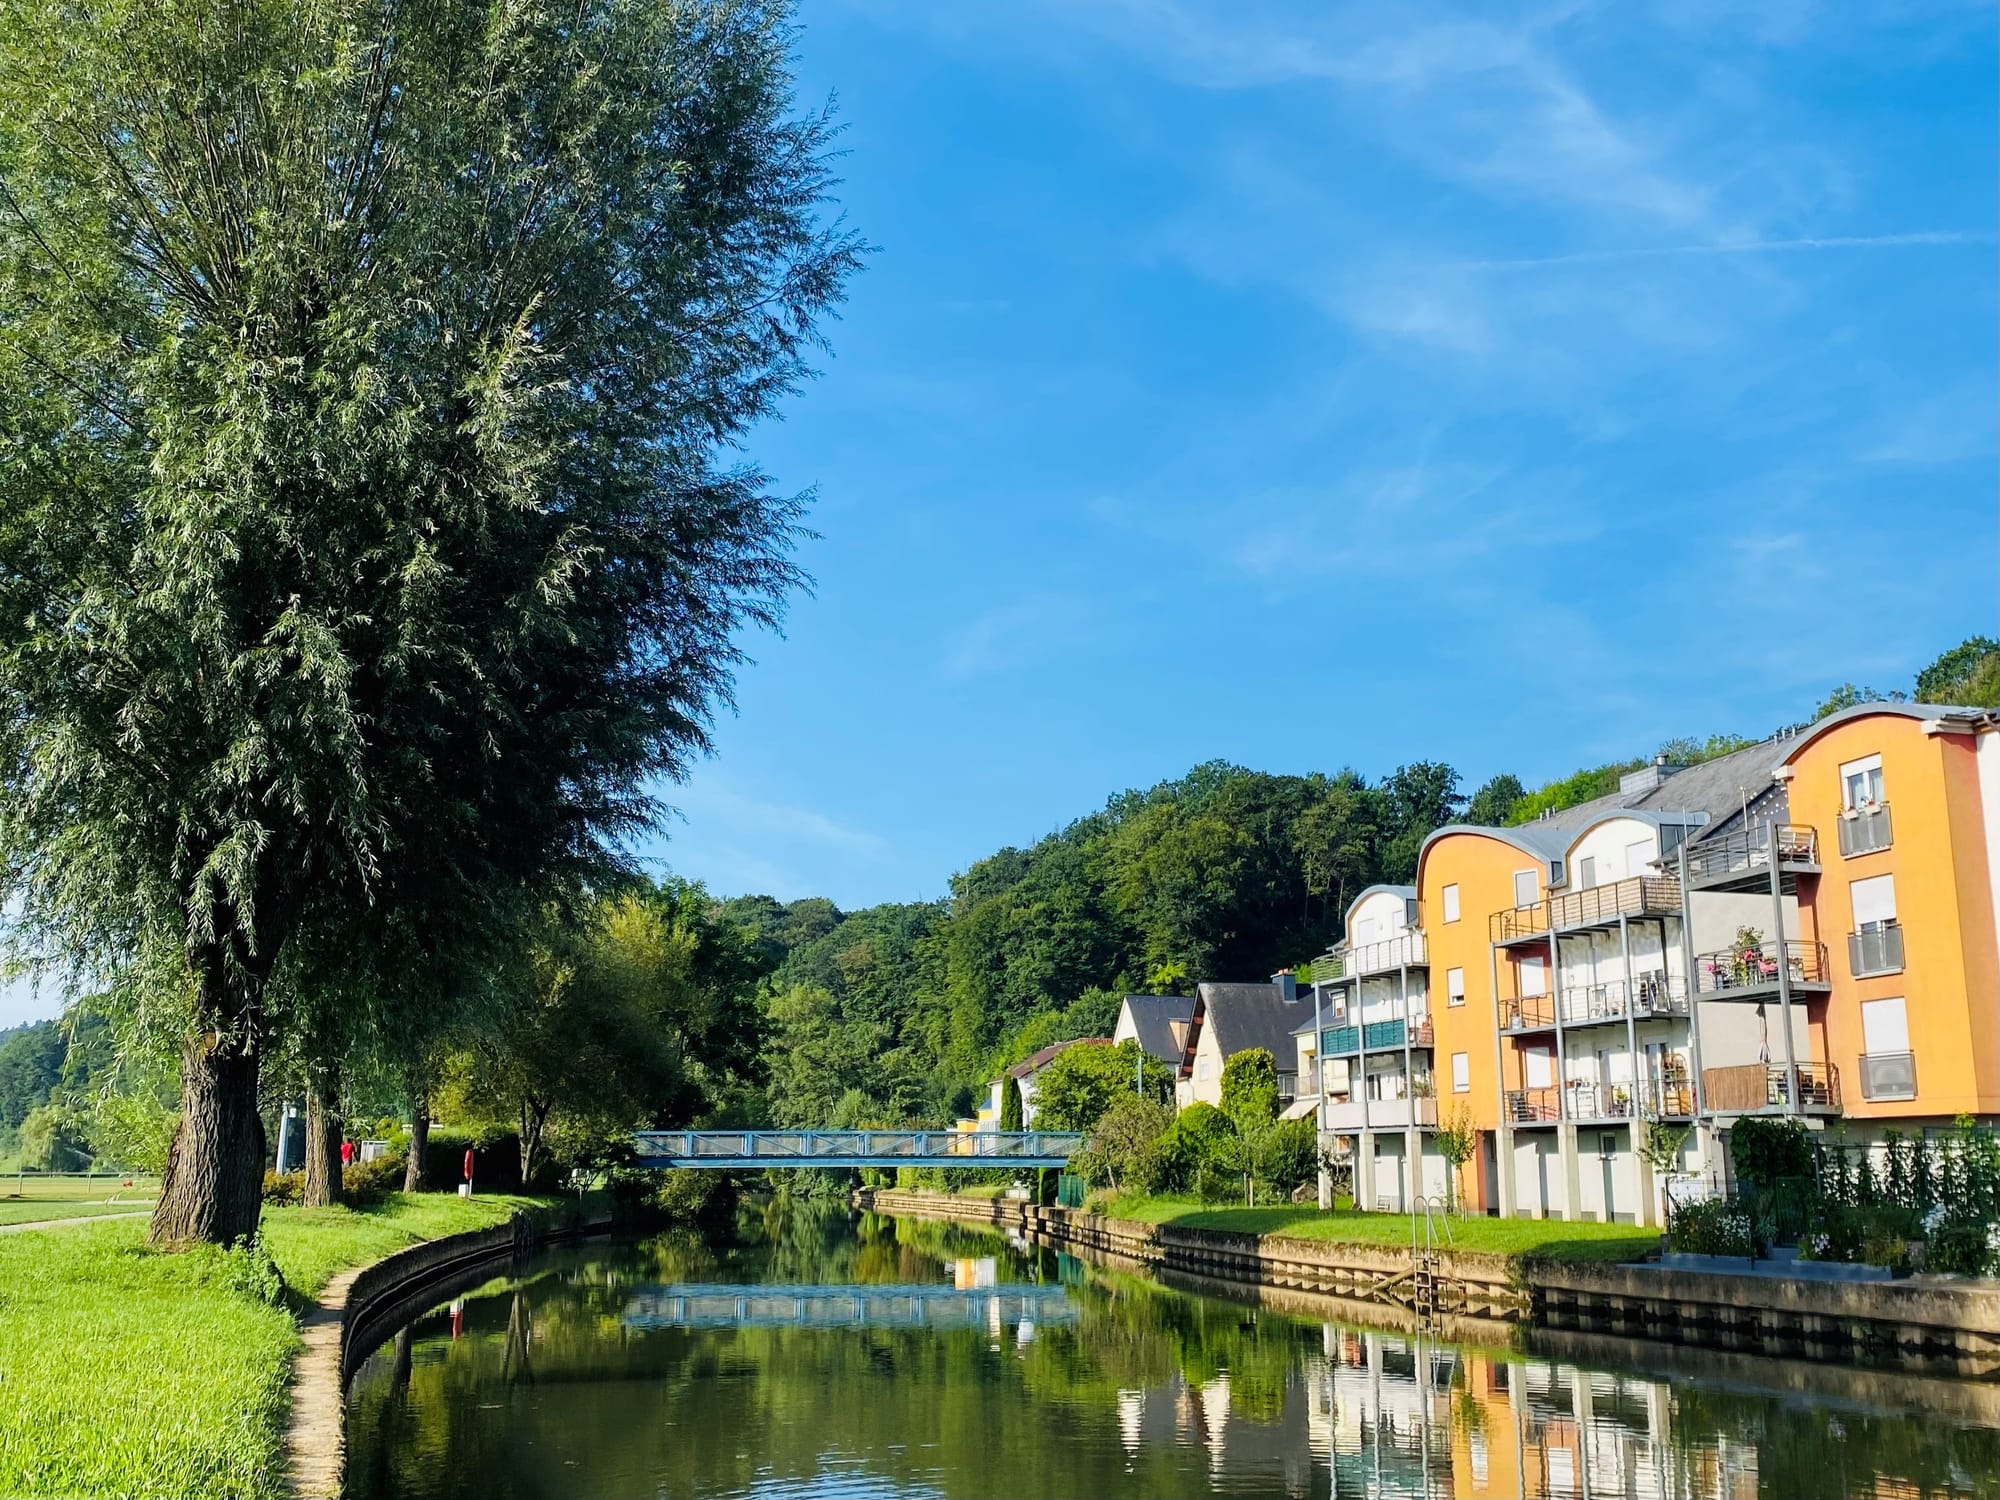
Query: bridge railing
<point x="803" y="1147"/>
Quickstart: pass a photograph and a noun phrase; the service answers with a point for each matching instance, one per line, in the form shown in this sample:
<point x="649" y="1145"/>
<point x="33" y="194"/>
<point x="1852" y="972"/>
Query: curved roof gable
<point x="1954" y="717"/>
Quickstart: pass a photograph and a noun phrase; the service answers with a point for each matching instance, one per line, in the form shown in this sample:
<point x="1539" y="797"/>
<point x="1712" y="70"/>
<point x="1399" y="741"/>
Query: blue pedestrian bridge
<point x="751" y="1149"/>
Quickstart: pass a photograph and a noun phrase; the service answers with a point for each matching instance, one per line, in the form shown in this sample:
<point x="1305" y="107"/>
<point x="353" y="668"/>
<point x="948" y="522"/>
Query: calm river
<point x="814" y="1352"/>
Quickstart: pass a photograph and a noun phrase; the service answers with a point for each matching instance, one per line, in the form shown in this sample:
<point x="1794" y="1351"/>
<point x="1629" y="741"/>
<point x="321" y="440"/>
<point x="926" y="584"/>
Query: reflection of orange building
<point x="1486" y="1459"/>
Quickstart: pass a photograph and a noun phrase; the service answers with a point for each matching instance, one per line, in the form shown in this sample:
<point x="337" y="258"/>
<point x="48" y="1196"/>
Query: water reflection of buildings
<point x="1404" y="1416"/>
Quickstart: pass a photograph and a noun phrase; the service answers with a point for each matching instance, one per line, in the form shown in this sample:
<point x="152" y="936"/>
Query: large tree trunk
<point x="533" y="1117"/>
<point x="213" y="1189"/>
<point x="325" y="1129"/>
<point x="420" y="1139"/>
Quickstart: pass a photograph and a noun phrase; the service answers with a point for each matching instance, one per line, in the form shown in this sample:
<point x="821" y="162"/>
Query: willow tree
<point x="372" y="535"/>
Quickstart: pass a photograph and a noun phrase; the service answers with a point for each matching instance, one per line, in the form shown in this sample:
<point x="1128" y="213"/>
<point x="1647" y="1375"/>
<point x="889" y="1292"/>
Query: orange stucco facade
<point x="1482" y="866"/>
<point x="1939" y="856"/>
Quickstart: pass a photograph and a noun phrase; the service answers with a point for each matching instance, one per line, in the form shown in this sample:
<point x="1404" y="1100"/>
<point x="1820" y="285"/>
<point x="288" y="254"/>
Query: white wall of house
<point x="1731" y="1033"/>
<point x="1376" y="917"/>
<point x="1613" y="850"/>
<point x="1538" y="1175"/>
<point x="1714" y="916"/>
<point x="1205" y="1087"/>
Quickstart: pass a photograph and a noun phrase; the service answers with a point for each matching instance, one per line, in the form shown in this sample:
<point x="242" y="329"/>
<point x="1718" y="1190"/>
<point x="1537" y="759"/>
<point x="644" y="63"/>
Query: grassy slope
<point x="27" y="1199"/>
<point x="126" y="1371"/>
<point x="1549" y="1238"/>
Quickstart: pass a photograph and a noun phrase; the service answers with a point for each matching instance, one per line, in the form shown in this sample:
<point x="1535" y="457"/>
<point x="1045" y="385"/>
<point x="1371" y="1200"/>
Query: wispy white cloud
<point x="1912" y="240"/>
<point x="1012" y="635"/>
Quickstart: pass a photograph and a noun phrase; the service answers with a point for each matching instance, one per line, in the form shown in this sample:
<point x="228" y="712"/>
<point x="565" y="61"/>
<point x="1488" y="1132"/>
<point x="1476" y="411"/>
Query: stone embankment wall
<point x="1945" y="1325"/>
<point x="334" y="1333"/>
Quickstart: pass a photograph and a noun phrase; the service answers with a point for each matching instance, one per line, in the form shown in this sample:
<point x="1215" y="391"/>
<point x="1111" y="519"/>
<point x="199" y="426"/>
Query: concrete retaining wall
<point x="333" y="1334"/>
<point x="1945" y="1325"/>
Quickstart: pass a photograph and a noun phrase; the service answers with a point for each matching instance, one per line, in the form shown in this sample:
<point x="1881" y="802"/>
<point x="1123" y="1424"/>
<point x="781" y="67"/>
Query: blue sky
<point x="1313" y="386"/>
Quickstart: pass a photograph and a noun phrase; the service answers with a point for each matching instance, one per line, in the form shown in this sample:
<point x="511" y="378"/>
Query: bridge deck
<point x="740" y="1149"/>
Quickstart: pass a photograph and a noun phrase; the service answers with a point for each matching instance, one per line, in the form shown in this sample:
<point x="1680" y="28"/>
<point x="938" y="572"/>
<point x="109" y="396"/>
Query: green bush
<point x="1292" y="1158"/>
<point x="1766" y="1151"/>
<point x="1716" y="1227"/>
<point x="1961" y="1248"/>
<point x="1200" y="1139"/>
<point x="284" y="1187"/>
<point x="372" y="1181"/>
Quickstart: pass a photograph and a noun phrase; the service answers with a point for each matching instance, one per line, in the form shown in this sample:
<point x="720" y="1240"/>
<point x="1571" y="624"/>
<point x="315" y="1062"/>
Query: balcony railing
<point x="1636" y="896"/>
<point x="1380" y="1114"/>
<point x="1340" y="1041"/>
<point x="1748" y="851"/>
<point x="1389" y="954"/>
<point x="1528" y="1013"/>
<point x="1757" y="968"/>
<point x="1533" y="1106"/>
<point x="1888" y="1075"/>
<point x="1330" y="966"/>
<point x="1652" y="995"/>
<point x="1863" y="830"/>
<point x="1753" y="1087"/>
<point x="1875" y="950"/>
<point x="1516" y="922"/>
<point x="1649" y="1097"/>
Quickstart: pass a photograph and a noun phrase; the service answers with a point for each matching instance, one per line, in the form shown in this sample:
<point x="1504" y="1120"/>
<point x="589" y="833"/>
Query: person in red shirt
<point x="346" y="1154"/>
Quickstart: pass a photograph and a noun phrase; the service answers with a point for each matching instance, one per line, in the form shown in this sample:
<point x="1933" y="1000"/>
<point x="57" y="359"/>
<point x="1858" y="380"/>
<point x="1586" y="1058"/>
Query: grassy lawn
<point x="25" y="1199"/>
<point x="124" y="1371"/>
<point x="1548" y="1238"/>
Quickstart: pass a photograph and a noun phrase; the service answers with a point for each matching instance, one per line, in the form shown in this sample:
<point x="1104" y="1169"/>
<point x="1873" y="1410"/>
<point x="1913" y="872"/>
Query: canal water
<point x="814" y="1352"/>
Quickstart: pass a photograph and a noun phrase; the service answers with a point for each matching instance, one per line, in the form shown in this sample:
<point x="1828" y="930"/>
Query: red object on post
<point x="468" y="1164"/>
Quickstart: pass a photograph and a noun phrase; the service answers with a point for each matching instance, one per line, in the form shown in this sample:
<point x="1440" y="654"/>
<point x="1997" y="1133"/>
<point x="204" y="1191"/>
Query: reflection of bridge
<point x="927" y="1305"/>
<point x="856" y="1148"/>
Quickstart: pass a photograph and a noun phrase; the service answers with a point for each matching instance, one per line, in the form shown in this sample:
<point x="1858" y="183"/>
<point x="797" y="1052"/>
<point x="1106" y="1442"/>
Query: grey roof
<point x="1027" y="1067"/>
<point x="1153" y="1018"/>
<point x="1244" y="1016"/>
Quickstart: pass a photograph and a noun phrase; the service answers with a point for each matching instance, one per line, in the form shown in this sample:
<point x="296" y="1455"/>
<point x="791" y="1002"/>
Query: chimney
<point x="1288" y="986"/>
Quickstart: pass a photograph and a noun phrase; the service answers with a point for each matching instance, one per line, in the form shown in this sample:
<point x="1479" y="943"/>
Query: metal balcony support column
<point x="1319" y="1100"/>
<point x="1503" y="1135"/>
<point x="1413" y="1150"/>
<point x="1642" y="1180"/>
<point x="1792" y="1089"/>
<point x="1704" y="1127"/>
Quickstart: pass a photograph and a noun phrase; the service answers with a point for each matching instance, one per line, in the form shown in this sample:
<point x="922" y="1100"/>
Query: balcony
<point x="1650" y="1098"/>
<point x="1528" y="1013"/>
<point x="1757" y="1088"/>
<point x="1603" y="905"/>
<point x="1330" y="966"/>
<point x="1654" y="996"/>
<point x="1406" y="949"/>
<point x="1534" y="1106"/>
<point x="1888" y="1075"/>
<point x="1381" y="1114"/>
<point x="1864" y="830"/>
<point x="1742" y="860"/>
<point x="1752" y="973"/>
<point x="1519" y="923"/>
<point x="1875" y="949"/>
<point x="1340" y="1041"/>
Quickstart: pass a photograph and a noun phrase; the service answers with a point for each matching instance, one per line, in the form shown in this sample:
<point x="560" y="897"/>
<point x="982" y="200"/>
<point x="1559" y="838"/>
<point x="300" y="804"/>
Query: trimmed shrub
<point x="284" y="1187"/>
<point x="1766" y="1151"/>
<point x="1716" y="1227"/>
<point x="372" y="1181"/>
<point x="1292" y="1158"/>
<point x="1201" y="1139"/>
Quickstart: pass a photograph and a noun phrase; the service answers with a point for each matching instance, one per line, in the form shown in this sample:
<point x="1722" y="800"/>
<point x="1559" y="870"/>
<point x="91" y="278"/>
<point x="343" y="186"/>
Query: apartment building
<point x="1730" y="939"/>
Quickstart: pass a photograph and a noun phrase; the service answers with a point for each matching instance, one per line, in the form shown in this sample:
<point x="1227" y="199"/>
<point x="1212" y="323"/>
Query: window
<point x="1861" y="782"/>
<point x="1461" y="1073"/>
<point x="1874" y="902"/>
<point x="1534" y="976"/>
<point x="1885" y="1027"/>
<point x="1586" y="872"/>
<point x="1451" y="903"/>
<point x="1204" y="1068"/>
<point x="1524" y="888"/>
<point x="1541" y="1067"/>
<point x="1454" y="986"/>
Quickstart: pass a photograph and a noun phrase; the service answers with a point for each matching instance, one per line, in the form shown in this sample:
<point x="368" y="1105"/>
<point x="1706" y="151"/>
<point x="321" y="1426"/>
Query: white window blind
<point x="1461" y="1072"/>
<point x="1885" y="1027"/>
<point x="1874" y="900"/>
<point x="1534" y="976"/>
<point x="1454" y="986"/>
<point x="1524" y="888"/>
<point x="1451" y="903"/>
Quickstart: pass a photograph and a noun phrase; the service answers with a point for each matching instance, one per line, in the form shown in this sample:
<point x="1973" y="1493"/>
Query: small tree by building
<point x="1010" y="1102"/>
<point x="1456" y="1140"/>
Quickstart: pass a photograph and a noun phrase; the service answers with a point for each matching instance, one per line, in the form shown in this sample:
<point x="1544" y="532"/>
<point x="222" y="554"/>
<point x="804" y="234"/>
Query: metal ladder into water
<point x="1427" y="1215"/>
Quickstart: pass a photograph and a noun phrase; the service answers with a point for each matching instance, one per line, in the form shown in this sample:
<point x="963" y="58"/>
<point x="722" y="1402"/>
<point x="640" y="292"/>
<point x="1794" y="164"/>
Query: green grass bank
<point x="128" y="1371"/>
<point x="30" y="1199"/>
<point x="1548" y="1239"/>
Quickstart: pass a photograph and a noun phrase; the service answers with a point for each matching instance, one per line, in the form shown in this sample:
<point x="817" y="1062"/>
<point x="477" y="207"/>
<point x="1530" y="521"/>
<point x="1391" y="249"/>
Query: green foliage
<point x="373" y="531"/>
<point x="1581" y="786"/>
<point x="1250" y="1088"/>
<point x="1767" y="1151"/>
<point x="133" y="1131"/>
<point x="1968" y="675"/>
<point x="1010" y="1102"/>
<point x="52" y="1139"/>
<point x="31" y="1064"/>
<point x="1290" y="1158"/>
<point x="1716" y="1226"/>
<point x="1125" y="1149"/>
<point x="1492" y="806"/>
<point x="1201" y="1147"/>
<point x="1848" y="695"/>
<point x="1456" y="1139"/>
<point x="1080" y="1083"/>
